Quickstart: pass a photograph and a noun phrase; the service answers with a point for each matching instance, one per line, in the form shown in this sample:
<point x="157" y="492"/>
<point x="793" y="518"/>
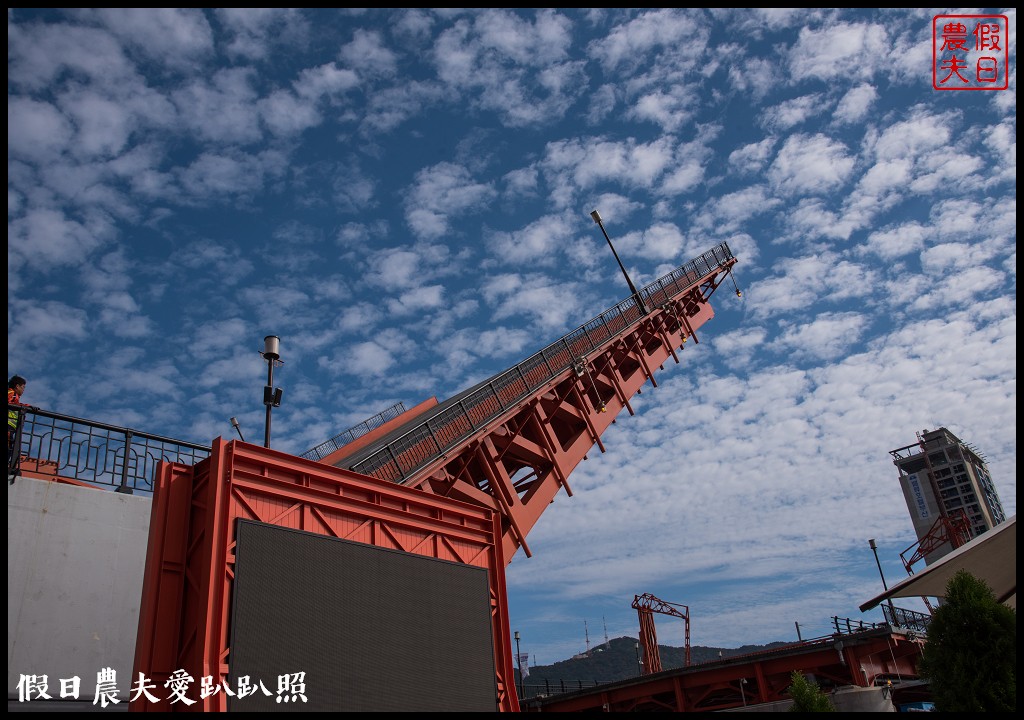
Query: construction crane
<point x="511" y="442"/>
<point x="646" y="605"/>
<point x="952" y="529"/>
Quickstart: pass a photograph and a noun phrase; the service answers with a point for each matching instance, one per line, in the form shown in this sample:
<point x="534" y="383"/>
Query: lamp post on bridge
<point x="632" y="288"/>
<point x="892" y="610"/>
<point x="519" y="662"/>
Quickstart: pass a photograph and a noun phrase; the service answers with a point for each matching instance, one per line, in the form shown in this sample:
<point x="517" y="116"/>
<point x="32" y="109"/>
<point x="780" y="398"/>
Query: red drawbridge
<point x="462" y="481"/>
<point x="511" y="442"/>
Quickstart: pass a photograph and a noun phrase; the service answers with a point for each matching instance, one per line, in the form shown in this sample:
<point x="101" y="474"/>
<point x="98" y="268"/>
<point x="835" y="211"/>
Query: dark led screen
<point x="372" y="629"/>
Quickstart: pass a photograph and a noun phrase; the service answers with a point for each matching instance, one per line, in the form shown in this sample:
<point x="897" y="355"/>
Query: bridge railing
<point x="453" y="424"/>
<point x="55" y="445"/>
<point x="344" y="438"/>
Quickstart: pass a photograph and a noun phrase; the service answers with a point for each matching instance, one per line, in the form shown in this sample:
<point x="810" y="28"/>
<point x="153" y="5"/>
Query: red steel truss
<point x="646" y="605"/>
<point x="511" y="443"/>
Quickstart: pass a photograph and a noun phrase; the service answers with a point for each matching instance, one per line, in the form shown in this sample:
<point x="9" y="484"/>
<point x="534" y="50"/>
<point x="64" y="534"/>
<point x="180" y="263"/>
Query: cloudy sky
<point x="404" y="197"/>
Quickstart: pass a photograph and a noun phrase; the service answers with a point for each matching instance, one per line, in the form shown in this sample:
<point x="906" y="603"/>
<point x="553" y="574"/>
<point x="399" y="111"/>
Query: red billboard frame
<point x="187" y="587"/>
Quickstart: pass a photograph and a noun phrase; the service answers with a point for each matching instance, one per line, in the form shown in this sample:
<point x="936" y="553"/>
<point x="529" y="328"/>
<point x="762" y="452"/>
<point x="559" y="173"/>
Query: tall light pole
<point x="874" y="549"/>
<point x="639" y="666"/>
<point x="632" y="288"/>
<point x="519" y="662"/>
<point x="271" y="396"/>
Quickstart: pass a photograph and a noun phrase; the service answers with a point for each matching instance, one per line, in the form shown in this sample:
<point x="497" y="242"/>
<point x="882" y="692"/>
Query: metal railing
<point x="344" y="438"/>
<point x="547" y="688"/>
<point x="55" y="445"/>
<point x="906" y="619"/>
<point x="453" y="422"/>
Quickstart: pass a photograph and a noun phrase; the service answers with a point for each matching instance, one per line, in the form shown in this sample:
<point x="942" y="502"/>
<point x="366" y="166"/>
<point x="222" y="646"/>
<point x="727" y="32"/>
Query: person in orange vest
<point x="15" y="389"/>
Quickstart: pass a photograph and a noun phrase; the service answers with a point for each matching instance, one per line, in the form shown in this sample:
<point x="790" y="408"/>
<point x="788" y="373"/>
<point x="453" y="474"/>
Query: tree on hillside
<point x="970" y="654"/>
<point x="807" y="696"/>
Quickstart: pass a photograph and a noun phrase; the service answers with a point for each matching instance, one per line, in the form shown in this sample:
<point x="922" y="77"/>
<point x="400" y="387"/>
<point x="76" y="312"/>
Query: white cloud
<point x="810" y="164"/>
<point x="826" y="337"/>
<point x="45" y="239"/>
<point x="840" y="50"/>
<point x="39" y="53"/>
<point x="440" y="192"/>
<point x="912" y="137"/>
<point x="367" y="53"/>
<point x="36" y="130"/>
<point x="539" y="243"/>
<point x="898" y="241"/>
<point x="286" y="114"/>
<point x="103" y="126"/>
<point x="418" y="300"/>
<point x="222" y="110"/>
<point x="793" y="112"/>
<point x="630" y="42"/>
<point x="752" y="157"/>
<point x="175" y="37"/>
<point x="856" y="104"/>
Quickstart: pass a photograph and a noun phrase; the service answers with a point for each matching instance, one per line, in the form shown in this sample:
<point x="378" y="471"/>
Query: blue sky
<point x="404" y="197"/>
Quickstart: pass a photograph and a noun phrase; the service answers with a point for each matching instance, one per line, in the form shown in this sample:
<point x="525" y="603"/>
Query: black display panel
<point x="371" y="629"/>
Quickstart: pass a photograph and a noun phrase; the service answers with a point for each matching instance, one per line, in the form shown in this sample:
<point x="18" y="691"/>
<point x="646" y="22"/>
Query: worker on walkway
<point x="15" y="389"/>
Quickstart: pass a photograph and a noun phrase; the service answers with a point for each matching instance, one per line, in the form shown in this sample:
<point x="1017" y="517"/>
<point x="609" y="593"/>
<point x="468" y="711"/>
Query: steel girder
<point x="516" y="463"/>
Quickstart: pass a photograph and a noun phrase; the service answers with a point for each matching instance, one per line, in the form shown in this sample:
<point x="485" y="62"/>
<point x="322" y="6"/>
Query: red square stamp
<point x="970" y="52"/>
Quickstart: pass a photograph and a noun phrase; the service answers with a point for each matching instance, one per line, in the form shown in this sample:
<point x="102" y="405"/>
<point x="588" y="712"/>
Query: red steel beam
<point x="549" y="434"/>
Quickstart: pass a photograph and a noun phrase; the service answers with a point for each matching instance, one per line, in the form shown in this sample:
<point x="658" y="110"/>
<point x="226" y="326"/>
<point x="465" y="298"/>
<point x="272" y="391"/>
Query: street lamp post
<point x="519" y="662"/>
<point x="271" y="396"/>
<point x="238" y="428"/>
<point x="874" y="549"/>
<point x="639" y="666"/>
<point x="632" y="288"/>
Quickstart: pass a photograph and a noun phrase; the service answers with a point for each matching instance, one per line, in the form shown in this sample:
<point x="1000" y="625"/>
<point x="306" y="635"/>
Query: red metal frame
<point x="952" y="527"/>
<point x="646" y="605"/>
<point x="187" y="587"/>
<point x="516" y="463"/>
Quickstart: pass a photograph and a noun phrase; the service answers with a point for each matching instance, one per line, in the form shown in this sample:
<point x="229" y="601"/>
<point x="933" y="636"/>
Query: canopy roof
<point x="991" y="557"/>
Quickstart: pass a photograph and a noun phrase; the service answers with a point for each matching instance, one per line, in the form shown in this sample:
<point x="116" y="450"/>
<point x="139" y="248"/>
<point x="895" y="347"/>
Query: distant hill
<point x="618" y="661"/>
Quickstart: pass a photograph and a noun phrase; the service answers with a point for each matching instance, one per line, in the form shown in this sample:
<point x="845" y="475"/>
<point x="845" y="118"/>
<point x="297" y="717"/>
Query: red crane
<point x="646" y="605"/>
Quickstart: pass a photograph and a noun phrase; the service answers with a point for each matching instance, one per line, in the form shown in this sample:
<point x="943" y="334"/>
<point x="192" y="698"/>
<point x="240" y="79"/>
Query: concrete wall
<point x="75" y="562"/>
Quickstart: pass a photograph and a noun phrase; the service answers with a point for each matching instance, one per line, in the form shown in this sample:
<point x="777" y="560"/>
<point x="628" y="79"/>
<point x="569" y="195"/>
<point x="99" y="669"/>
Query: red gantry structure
<point x="646" y="605"/>
<point x="461" y="482"/>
